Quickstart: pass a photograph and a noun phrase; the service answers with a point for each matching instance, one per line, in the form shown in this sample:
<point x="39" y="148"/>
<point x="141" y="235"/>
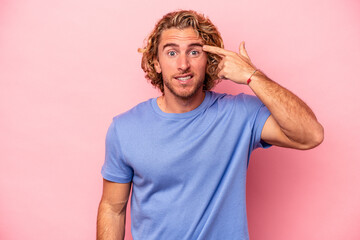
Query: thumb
<point x="242" y="50"/>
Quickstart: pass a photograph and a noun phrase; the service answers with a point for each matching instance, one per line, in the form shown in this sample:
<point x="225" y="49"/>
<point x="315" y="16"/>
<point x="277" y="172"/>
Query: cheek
<point x="167" y="65"/>
<point x="201" y="64"/>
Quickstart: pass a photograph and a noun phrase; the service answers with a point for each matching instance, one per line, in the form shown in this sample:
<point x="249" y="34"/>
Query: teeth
<point x="184" y="78"/>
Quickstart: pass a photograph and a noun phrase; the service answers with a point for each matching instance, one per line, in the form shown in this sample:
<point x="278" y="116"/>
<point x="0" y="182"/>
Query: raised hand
<point x="292" y="123"/>
<point x="236" y="67"/>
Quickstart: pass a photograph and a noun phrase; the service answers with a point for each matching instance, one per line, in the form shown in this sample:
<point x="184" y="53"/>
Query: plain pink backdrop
<point x="67" y="67"/>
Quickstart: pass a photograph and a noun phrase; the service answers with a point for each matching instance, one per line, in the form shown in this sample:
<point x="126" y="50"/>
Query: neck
<point x="172" y="104"/>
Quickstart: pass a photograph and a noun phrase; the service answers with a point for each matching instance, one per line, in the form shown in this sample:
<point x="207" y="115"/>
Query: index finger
<point x="216" y="50"/>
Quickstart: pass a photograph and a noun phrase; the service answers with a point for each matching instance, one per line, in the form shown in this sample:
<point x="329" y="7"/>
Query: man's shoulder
<point x="240" y="97"/>
<point x="242" y="101"/>
<point x="136" y="112"/>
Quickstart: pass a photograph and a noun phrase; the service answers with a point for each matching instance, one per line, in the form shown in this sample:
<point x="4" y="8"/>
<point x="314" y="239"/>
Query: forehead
<point x="179" y="36"/>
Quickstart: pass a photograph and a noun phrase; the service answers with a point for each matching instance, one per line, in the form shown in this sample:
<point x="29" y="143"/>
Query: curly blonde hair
<point x="182" y="19"/>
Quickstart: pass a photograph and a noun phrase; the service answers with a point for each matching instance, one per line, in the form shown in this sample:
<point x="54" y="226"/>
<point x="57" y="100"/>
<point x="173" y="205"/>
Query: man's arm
<point x="292" y="123"/>
<point x="112" y="211"/>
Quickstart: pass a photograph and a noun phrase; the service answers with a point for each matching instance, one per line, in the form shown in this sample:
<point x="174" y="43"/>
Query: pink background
<point x="67" y="67"/>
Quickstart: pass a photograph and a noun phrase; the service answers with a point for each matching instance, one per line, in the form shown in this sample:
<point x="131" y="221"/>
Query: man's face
<point x="182" y="62"/>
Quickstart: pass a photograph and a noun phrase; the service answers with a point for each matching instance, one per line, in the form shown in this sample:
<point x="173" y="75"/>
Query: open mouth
<point x="184" y="78"/>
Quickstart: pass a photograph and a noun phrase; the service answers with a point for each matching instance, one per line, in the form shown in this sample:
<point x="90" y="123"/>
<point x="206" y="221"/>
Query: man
<point x="186" y="152"/>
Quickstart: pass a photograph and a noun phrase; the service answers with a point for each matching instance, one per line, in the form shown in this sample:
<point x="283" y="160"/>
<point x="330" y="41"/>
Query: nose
<point x="183" y="63"/>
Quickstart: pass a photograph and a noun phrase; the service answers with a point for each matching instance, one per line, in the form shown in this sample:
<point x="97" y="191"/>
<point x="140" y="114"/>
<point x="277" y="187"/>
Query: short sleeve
<point x="259" y="113"/>
<point x="115" y="168"/>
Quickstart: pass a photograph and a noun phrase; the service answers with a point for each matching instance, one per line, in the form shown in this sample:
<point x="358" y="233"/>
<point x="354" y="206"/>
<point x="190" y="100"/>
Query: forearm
<point x="111" y="222"/>
<point x="295" y="118"/>
<point x="292" y="123"/>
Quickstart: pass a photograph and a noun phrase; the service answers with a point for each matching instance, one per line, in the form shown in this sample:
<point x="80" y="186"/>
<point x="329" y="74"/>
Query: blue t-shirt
<point x="188" y="169"/>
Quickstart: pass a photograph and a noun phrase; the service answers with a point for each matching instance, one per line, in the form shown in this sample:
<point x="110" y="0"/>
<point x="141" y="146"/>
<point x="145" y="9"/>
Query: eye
<point x="171" y="53"/>
<point x="194" y="52"/>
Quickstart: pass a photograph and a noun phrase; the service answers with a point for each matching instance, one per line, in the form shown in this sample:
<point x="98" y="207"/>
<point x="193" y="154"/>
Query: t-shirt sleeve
<point x="259" y="113"/>
<point x="115" y="168"/>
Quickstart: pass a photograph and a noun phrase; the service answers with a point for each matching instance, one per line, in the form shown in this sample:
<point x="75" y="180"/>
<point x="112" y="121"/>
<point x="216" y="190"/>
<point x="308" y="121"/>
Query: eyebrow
<point x="176" y="45"/>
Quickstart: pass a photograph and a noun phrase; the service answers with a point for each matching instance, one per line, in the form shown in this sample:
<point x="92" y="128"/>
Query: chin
<point x="184" y="93"/>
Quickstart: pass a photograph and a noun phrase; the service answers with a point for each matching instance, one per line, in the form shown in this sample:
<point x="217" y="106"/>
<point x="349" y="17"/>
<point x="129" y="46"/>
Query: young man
<point x="186" y="152"/>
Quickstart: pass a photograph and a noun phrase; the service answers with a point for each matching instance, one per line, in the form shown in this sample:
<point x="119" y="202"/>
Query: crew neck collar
<point x="181" y="115"/>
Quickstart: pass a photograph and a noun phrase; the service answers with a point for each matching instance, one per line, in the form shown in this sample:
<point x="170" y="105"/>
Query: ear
<point x="157" y="65"/>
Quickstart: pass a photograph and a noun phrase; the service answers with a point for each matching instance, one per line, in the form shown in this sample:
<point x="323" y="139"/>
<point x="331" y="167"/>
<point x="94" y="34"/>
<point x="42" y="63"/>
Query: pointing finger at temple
<point x="216" y="50"/>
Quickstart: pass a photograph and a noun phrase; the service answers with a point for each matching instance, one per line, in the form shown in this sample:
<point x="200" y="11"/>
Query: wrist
<point x="249" y="79"/>
<point x="257" y="74"/>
